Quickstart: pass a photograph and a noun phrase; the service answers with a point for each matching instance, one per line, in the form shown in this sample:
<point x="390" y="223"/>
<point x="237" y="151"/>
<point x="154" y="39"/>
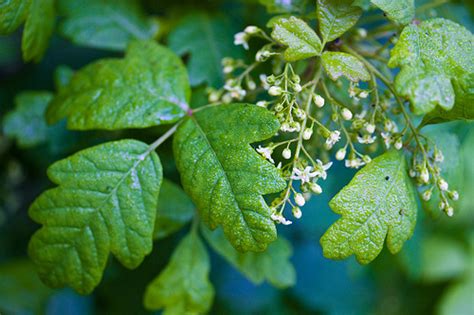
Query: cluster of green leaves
<point x="112" y="198"/>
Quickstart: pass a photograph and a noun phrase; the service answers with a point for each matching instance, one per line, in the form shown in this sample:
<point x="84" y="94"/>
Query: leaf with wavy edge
<point x="148" y="87"/>
<point x="378" y="204"/>
<point x="339" y="64"/>
<point x="105" y="203"/>
<point x="223" y="174"/>
<point x="336" y="17"/>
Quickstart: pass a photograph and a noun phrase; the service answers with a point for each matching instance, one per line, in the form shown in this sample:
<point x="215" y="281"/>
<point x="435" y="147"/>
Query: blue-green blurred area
<point x="434" y="273"/>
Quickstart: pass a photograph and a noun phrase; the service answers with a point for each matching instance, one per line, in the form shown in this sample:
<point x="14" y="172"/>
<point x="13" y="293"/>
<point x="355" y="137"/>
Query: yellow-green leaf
<point x="339" y="64"/>
<point x="336" y="17"/>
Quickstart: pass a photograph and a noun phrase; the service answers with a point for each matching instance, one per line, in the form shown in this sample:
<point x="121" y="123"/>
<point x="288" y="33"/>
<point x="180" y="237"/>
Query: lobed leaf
<point x="378" y="203"/>
<point x="107" y="24"/>
<point x="38" y="29"/>
<point x="183" y="287"/>
<point x="272" y="265"/>
<point x="223" y="174"/>
<point x="436" y="59"/>
<point x="174" y="210"/>
<point x="148" y="87"/>
<point x="339" y="64"/>
<point x="336" y="17"/>
<point x="207" y="39"/>
<point x="105" y="203"/>
<point x="26" y="122"/>
<point x="301" y="40"/>
<point x="12" y="14"/>
<point x="400" y="11"/>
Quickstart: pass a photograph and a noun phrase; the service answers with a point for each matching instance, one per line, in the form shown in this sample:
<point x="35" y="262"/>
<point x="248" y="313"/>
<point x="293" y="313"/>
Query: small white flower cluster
<point x="242" y="38"/>
<point x="427" y="172"/>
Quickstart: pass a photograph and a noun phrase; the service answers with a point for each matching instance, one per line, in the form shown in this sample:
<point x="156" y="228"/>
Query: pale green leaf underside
<point x="399" y="11"/>
<point x="26" y="122"/>
<point x="105" y="203"/>
<point x="224" y="175"/>
<point x="183" y="287"/>
<point x="148" y="87"/>
<point x="272" y="265"/>
<point x="12" y="14"/>
<point x="207" y="39"/>
<point x="336" y="17"/>
<point x="339" y="64"/>
<point x="108" y="24"/>
<point x="378" y="204"/>
<point x="39" y="27"/>
<point x="436" y="59"/>
<point x="301" y="40"/>
<point x="175" y="209"/>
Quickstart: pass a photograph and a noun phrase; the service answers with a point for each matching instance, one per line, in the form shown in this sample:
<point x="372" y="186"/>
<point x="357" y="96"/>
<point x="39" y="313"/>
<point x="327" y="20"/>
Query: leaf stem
<point x="163" y="138"/>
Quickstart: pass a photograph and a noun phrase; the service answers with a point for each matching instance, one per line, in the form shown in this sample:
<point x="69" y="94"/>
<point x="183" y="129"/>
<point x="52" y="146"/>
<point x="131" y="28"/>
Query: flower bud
<point x="370" y="128"/>
<point x="299" y="199"/>
<point x="443" y="185"/>
<point x="286" y="154"/>
<point x="318" y="100"/>
<point x="275" y="90"/>
<point x="341" y="154"/>
<point x="307" y="133"/>
<point x="315" y="188"/>
<point x="398" y="144"/>
<point x="251" y="29"/>
<point x="346" y="114"/>
<point x="296" y="212"/>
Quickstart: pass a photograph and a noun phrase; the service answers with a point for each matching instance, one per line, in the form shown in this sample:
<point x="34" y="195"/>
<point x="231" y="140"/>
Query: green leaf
<point x="207" y="39"/>
<point x="12" y="14"/>
<point x="183" y="287"/>
<point x="21" y="292"/>
<point x="39" y="27"/>
<point x="282" y="6"/>
<point x="175" y="209"/>
<point x="148" y="87"/>
<point x="301" y="40"/>
<point x="400" y="11"/>
<point x="223" y="174"/>
<point x="107" y="24"/>
<point x="339" y="64"/>
<point x="106" y="202"/>
<point x="436" y="59"/>
<point x="26" y="122"/>
<point x="272" y="265"/>
<point x="336" y="17"/>
<point x="378" y="203"/>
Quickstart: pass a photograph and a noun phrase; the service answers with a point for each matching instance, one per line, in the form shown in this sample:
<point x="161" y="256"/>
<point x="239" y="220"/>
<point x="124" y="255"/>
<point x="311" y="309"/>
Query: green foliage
<point x="400" y="11"/>
<point x="147" y="88"/>
<point x="39" y="27"/>
<point x="378" y="203"/>
<point x="339" y="64"/>
<point x="437" y="63"/>
<point x="272" y="265"/>
<point x="106" y="24"/>
<point x="223" y="174"/>
<point x="207" y="39"/>
<point x="26" y="123"/>
<point x="105" y="202"/>
<point x="301" y="40"/>
<point x="336" y="17"/>
<point x="282" y="6"/>
<point x="12" y="14"/>
<point x="174" y="210"/>
<point x="183" y="287"/>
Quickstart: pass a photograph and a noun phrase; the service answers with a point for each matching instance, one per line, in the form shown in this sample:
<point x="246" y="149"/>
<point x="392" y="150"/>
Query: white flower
<point x="297" y="88"/>
<point x="341" y="154"/>
<point x="263" y="79"/>
<point x="412" y="173"/>
<point x="363" y="94"/>
<point x="354" y="163"/>
<point x="307" y="133"/>
<point x="449" y="211"/>
<point x="322" y="168"/>
<point x="398" y="144"/>
<point x="280" y="219"/>
<point x="390" y="126"/>
<point x="387" y="139"/>
<point x="262" y="103"/>
<point x="296" y="212"/>
<point x="241" y="38"/>
<point x="362" y="114"/>
<point x="443" y="185"/>
<point x="424" y="175"/>
<point x="275" y="90"/>
<point x="366" y="139"/>
<point x="426" y="195"/>
<point x="334" y="137"/>
<point x="266" y="153"/>
<point x="438" y="156"/>
<point x="370" y="128"/>
<point x="299" y="199"/>
<point x="319" y="100"/>
<point x="315" y="188"/>
<point x="251" y="29"/>
<point x="286" y="154"/>
<point x="346" y="114"/>
<point x="304" y="175"/>
<point x="362" y="32"/>
<point x="454" y="195"/>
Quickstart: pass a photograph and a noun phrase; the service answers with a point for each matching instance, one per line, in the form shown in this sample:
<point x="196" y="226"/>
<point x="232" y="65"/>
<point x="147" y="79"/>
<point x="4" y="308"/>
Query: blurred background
<point x="434" y="273"/>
